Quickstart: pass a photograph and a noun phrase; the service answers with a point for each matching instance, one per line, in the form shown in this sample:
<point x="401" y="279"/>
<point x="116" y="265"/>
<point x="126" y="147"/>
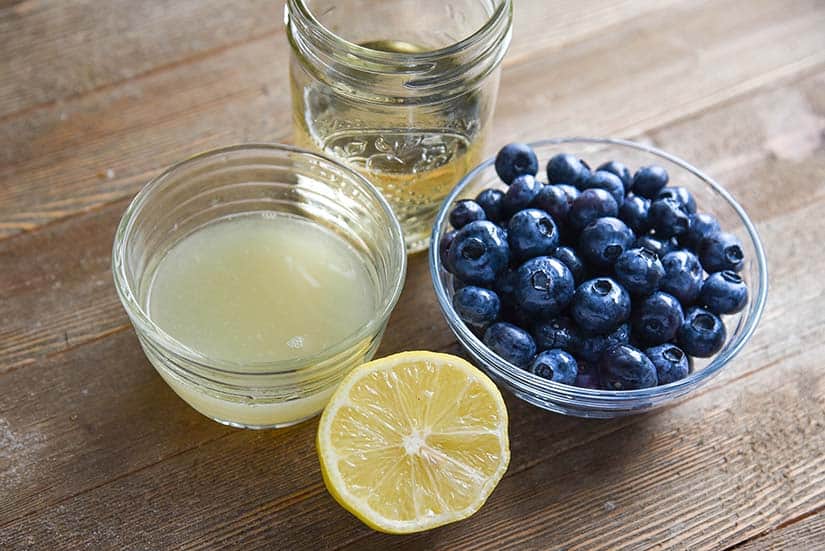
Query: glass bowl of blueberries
<point x="597" y="277"/>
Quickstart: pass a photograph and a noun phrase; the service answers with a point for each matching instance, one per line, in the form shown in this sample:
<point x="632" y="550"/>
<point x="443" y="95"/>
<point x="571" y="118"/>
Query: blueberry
<point x="680" y="194"/>
<point x="555" y="365"/>
<point x="683" y="276"/>
<point x="634" y="212"/>
<point x="575" y="264"/>
<point x="444" y="248"/>
<point x="702" y="334"/>
<point x="701" y="226"/>
<point x="600" y="305"/>
<point x="476" y="306"/>
<point x="657" y="318"/>
<point x="544" y="287"/>
<point x="639" y="271"/>
<point x="520" y="194"/>
<point x="554" y="201"/>
<point x="567" y="169"/>
<point x="587" y="379"/>
<point x="464" y="212"/>
<point x="722" y="251"/>
<point x="531" y="233"/>
<point x="571" y="191"/>
<point x="514" y="160"/>
<point x="649" y="181"/>
<point x="479" y="253"/>
<point x="724" y="293"/>
<point x="557" y="333"/>
<point x="603" y="241"/>
<point x="608" y="182"/>
<point x="671" y="363"/>
<point x="623" y="367"/>
<point x="590" y="205"/>
<point x="511" y="342"/>
<point x="658" y="246"/>
<point x="505" y="284"/>
<point x="668" y="218"/>
<point x="591" y="347"/>
<point x="619" y="170"/>
<point x="490" y="200"/>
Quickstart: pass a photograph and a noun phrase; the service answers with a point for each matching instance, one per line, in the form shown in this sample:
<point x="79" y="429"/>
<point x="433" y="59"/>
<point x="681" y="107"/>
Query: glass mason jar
<point x="401" y="90"/>
<point x="269" y="179"/>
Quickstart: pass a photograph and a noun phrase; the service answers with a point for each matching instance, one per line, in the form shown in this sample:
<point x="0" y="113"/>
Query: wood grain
<point x="96" y="452"/>
<point x="805" y="534"/>
<point x="88" y="494"/>
<point x="61" y="161"/>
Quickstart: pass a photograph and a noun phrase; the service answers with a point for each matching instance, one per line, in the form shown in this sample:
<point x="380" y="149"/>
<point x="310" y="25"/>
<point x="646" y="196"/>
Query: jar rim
<point x="333" y="40"/>
<point x="146" y="326"/>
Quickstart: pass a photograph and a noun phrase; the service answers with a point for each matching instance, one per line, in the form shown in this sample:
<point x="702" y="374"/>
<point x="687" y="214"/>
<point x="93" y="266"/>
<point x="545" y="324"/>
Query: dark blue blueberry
<point x="505" y="284"/>
<point x="490" y="200"/>
<point x="722" y="251"/>
<point x="600" y="305"/>
<point x="514" y="160"/>
<point x="608" y="182"/>
<point x="657" y="318"/>
<point x="575" y="264"/>
<point x="624" y="367"/>
<point x="479" y="253"/>
<point x="464" y="212"/>
<point x="531" y="233"/>
<point x="702" y="334"/>
<point x="511" y="342"/>
<point x="603" y="241"/>
<point x="520" y="194"/>
<point x="567" y="169"/>
<point x="683" y="276"/>
<point x="634" y="213"/>
<point x="701" y="226"/>
<point x="544" y="287"/>
<point x="668" y="218"/>
<point x="671" y="363"/>
<point x="661" y="248"/>
<point x="724" y="293"/>
<point x="639" y="271"/>
<point x="571" y="191"/>
<point x="590" y="205"/>
<point x="554" y="201"/>
<point x="444" y="248"/>
<point x="591" y="347"/>
<point x="619" y="170"/>
<point x="649" y="181"/>
<point x="557" y="333"/>
<point x="476" y="306"/>
<point x="555" y="365"/>
<point x="680" y="194"/>
<point x="587" y="379"/>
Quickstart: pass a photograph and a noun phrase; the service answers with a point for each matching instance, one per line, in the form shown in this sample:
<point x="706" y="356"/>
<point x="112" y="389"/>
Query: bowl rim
<point x="144" y="325"/>
<point x="525" y="380"/>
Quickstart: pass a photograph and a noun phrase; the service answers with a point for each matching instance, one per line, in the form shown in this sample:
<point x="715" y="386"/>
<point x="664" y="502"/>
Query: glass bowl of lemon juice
<point x="256" y="277"/>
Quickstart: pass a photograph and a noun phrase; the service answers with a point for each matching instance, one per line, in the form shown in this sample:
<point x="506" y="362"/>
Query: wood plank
<point x="55" y="298"/>
<point x="803" y="535"/>
<point x="60" y="156"/>
<point x="748" y="471"/>
<point x="59" y="50"/>
<point x="104" y="45"/>
<point x="277" y="485"/>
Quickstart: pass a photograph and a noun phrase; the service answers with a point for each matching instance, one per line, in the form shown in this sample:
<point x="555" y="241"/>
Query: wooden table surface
<point x="96" y="452"/>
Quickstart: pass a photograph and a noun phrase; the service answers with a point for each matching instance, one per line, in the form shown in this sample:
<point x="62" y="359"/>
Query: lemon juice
<point x="259" y="288"/>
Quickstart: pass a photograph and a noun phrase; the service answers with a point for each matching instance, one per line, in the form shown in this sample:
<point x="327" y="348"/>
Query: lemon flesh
<point x="413" y="441"/>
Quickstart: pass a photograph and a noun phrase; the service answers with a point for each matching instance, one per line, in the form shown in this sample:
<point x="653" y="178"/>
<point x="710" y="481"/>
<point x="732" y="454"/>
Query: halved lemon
<point x="413" y="441"/>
